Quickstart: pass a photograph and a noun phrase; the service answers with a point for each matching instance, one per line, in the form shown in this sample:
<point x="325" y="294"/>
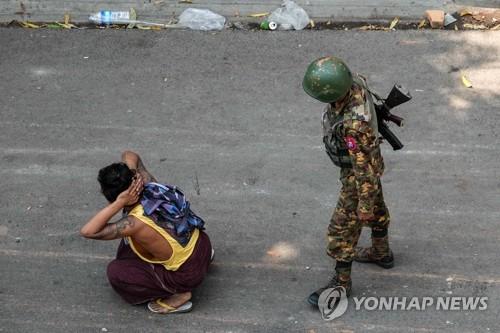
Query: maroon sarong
<point x="138" y="281"/>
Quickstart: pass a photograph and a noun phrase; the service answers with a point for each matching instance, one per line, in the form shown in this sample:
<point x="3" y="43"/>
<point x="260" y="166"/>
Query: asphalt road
<point x="223" y="116"/>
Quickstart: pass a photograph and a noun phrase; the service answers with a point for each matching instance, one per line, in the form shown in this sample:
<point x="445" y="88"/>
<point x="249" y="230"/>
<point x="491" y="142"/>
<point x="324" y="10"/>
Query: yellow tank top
<point x="179" y="254"/>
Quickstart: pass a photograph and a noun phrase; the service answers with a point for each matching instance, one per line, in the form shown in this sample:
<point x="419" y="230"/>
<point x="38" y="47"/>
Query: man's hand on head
<point x="131" y="195"/>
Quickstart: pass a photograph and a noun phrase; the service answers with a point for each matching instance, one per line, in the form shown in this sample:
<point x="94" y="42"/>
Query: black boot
<point x="341" y="278"/>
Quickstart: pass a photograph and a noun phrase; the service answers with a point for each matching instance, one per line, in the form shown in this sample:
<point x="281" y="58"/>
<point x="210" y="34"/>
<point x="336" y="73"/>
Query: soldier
<point x="351" y="140"/>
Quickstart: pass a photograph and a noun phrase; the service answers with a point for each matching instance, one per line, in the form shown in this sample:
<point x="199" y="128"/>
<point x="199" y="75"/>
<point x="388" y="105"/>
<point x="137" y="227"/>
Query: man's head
<point x="327" y="79"/>
<point x="115" y="179"/>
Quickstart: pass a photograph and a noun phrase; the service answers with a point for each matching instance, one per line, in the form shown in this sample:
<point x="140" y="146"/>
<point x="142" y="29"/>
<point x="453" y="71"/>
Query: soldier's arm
<point x="134" y="162"/>
<point x="363" y="147"/>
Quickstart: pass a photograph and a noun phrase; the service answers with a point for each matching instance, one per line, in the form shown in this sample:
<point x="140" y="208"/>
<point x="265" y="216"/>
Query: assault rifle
<point x="397" y="96"/>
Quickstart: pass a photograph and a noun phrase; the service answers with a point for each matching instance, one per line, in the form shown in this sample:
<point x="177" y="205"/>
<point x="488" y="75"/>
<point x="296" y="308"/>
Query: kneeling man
<point x="164" y="253"/>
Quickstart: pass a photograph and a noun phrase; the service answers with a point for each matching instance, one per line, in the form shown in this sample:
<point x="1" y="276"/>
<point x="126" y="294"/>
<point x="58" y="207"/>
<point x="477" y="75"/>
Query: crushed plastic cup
<point x="201" y="19"/>
<point x="290" y="15"/>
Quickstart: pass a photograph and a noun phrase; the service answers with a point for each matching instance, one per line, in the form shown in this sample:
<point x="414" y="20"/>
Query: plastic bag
<point x="201" y="19"/>
<point x="290" y="15"/>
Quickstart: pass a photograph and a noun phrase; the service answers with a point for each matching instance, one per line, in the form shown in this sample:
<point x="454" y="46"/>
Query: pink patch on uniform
<point x="351" y="143"/>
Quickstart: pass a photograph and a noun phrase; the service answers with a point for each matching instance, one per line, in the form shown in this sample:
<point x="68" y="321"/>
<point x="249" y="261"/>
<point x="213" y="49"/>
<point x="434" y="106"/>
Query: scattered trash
<point x="422" y="24"/>
<point x="30" y="25"/>
<point x="466" y="82"/>
<point x="53" y="26"/>
<point x="201" y="19"/>
<point x="475" y="26"/>
<point x="28" y="208"/>
<point x="104" y="329"/>
<point x="479" y="18"/>
<point x="308" y="268"/>
<point x="373" y="27"/>
<point x="259" y="14"/>
<point x="436" y="18"/>
<point x="449" y="279"/>
<point x="465" y="11"/>
<point x="107" y="17"/>
<point x="266" y="25"/>
<point x="239" y="26"/>
<point x="133" y="17"/>
<point x="312" y="24"/>
<point x="18" y="239"/>
<point x="394" y="23"/>
<point x="289" y="16"/>
<point x="449" y="19"/>
<point x="110" y="17"/>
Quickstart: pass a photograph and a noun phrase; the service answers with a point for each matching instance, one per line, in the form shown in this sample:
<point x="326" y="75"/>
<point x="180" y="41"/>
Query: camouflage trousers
<point x="345" y="228"/>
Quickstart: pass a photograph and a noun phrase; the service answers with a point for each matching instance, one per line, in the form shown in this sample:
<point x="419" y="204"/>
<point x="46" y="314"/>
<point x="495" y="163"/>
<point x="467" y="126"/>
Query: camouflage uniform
<point x="351" y="140"/>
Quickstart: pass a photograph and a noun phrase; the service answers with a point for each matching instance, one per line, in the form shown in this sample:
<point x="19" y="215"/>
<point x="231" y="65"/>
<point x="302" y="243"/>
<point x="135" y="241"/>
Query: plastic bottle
<point x="110" y="17"/>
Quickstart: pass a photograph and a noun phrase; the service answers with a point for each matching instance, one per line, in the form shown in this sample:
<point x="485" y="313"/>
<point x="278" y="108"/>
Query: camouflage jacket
<point x="351" y="140"/>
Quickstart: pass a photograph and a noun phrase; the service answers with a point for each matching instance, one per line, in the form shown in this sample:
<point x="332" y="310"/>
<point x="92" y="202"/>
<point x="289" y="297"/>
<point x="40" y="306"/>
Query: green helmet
<point x="327" y="79"/>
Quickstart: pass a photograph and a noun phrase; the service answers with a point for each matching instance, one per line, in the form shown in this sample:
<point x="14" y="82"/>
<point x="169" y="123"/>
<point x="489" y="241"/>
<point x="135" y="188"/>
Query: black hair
<point x="114" y="179"/>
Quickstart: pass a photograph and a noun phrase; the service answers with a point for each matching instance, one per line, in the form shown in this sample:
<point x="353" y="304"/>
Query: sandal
<point x="166" y="309"/>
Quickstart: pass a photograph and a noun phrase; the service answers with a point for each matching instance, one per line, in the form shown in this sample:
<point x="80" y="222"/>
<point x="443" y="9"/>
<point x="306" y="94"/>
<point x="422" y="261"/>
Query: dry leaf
<point x="496" y="27"/>
<point x="66" y="18"/>
<point x="373" y="27"/>
<point x="143" y="27"/>
<point x="465" y="11"/>
<point x="475" y="26"/>
<point x="133" y="17"/>
<point x="259" y="14"/>
<point x="29" y="25"/>
<point x="186" y="1"/>
<point x="394" y="23"/>
<point x="366" y="27"/>
<point x="67" y="26"/>
<point x="311" y="22"/>
<point x="466" y="81"/>
<point x="53" y="26"/>
<point x="422" y="24"/>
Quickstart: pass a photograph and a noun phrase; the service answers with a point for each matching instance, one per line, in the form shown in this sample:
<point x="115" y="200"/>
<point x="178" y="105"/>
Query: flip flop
<point x="167" y="309"/>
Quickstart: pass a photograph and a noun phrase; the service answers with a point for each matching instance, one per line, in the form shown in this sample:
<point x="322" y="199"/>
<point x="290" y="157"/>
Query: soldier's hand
<point x="366" y="216"/>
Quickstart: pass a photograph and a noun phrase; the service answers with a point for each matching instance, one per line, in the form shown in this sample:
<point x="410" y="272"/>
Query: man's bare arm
<point x="98" y="226"/>
<point x="122" y="228"/>
<point x="134" y="162"/>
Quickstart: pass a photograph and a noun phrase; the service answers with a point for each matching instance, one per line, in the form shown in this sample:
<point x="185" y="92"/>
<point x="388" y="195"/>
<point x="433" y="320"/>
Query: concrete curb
<point x="234" y="10"/>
